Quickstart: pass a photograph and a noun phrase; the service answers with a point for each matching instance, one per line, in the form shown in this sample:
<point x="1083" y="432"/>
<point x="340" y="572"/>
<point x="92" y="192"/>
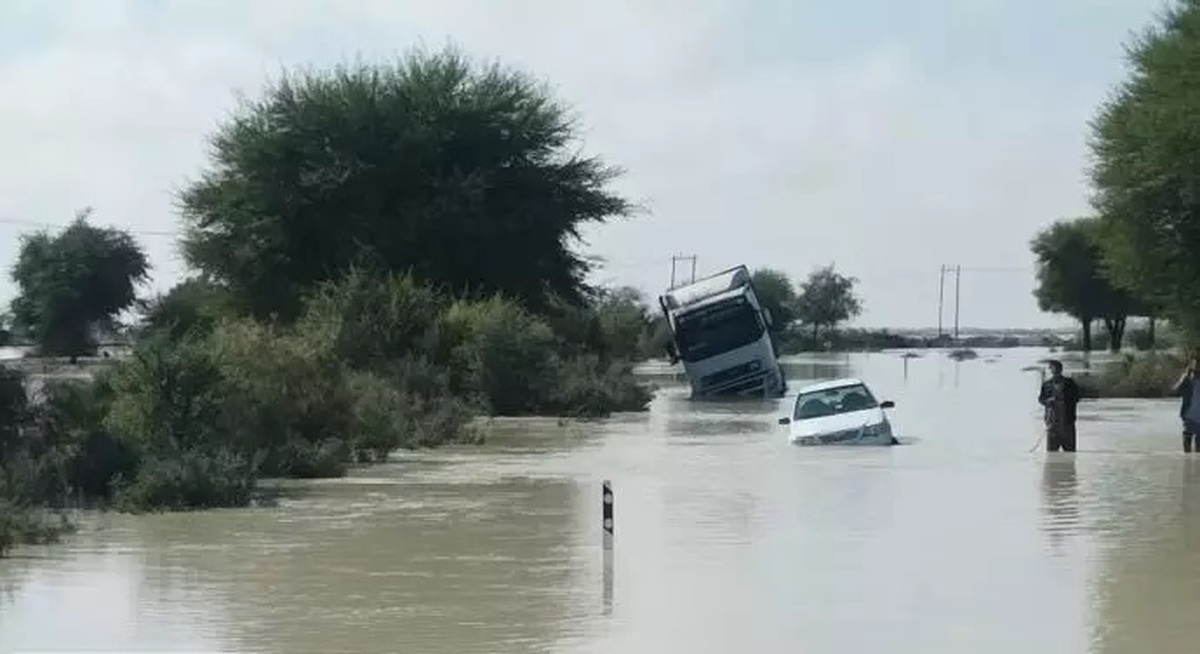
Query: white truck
<point x="719" y="330"/>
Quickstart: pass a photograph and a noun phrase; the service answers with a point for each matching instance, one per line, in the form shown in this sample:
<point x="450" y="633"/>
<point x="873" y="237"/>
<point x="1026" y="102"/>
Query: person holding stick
<point x="1189" y="409"/>
<point x="1060" y="397"/>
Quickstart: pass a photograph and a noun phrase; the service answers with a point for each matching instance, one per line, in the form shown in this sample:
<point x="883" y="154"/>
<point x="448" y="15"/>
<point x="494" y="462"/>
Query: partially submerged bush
<point x="31" y="474"/>
<point x="283" y="396"/>
<point x="29" y="525"/>
<point x="408" y="408"/>
<point x="506" y="355"/>
<point x="1148" y="376"/>
<point x="585" y="387"/>
<point x="507" y="359"/>
<point x="168" y="397"/>
<point x="206" y="405"/>
<point x="73" y="416"/>
<point x="192" y="478"/>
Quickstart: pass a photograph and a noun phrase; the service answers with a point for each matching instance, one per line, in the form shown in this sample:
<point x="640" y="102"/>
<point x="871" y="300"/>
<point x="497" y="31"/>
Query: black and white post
<point x="606" y="523"/>
<point x="607" y="512"/>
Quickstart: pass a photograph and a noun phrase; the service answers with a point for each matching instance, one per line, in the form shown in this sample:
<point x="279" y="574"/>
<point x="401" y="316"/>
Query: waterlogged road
<point x="727" y="539"/>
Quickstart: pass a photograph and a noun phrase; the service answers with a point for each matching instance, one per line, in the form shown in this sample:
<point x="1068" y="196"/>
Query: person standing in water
<point x="1189" y="407"/>
<point x="1059" y="396"/>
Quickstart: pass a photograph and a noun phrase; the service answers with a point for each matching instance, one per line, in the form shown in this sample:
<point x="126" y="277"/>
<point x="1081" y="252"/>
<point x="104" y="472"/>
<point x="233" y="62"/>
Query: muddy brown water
<point x="727" y="539"/>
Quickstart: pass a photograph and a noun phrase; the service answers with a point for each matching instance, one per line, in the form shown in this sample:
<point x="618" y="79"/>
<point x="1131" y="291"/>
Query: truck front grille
<point x="727" y="375"/>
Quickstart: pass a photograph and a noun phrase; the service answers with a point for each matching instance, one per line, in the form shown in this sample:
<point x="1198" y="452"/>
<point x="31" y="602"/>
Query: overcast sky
<point x="885" y="137"/>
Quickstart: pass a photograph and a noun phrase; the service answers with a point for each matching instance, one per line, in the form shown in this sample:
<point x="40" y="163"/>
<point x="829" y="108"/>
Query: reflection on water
<point x="727" y="538"/>
<point x="1060" y="500"/>
<point x="805" y="369"/>
<point x="1148" y="594"/>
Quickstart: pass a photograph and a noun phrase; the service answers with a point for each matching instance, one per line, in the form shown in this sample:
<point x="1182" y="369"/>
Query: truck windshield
<point x="716" y="329"/>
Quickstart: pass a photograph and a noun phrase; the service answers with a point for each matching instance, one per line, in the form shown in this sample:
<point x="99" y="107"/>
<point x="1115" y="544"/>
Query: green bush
<point x="191" y="308"/>
<point x="26" y="525"/>
<point x="31" y="474"/>
<point x="369" y="321"/>
<point x="509" y="361"/>
<point x="168" y="397"/>
<point x="614" y="324"/>
<point x="507" y="356"/>
<point x="34" y="460"/>
<point x="72" y="417"/>
<point x="284" y="396"/>
<point x="1148" y="376"/>
<point x="407" y="409"/>
<point x="196" y="414"/>
<point x="188" y="479"/>
<point x="586" y="387"/>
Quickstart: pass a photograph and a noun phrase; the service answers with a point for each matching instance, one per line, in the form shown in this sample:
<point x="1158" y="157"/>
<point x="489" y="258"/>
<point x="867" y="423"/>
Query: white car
<point x="839" y="412"/>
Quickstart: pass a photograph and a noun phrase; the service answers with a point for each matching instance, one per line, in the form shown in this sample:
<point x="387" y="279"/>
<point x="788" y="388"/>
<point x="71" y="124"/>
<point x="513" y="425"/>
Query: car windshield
<point x="716" y="329"/>
<point x="832" y="401"/>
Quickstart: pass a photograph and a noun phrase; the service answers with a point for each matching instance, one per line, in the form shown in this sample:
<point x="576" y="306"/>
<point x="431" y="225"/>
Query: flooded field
<point x="727" y="539"/>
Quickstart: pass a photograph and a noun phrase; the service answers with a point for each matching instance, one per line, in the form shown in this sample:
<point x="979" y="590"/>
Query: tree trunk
<point x="1116" y="332"/>
<point x="816" y="327"/>
<point x="1087" y="333"/>
<point x="1150" y="331"/>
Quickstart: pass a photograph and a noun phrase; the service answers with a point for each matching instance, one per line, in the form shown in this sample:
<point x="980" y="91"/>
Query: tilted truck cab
<point x="719" y="331"/>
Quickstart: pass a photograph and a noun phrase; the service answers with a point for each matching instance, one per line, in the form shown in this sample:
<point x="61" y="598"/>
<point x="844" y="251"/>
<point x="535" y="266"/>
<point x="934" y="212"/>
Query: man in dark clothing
<point x="1189" y="408"/>
<point x="1059" y="396"/>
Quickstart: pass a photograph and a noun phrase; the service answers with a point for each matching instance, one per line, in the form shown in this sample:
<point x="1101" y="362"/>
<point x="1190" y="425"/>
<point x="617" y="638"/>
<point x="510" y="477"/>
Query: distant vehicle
<point x="719" y="331"/>
<point x="839" y="412"/>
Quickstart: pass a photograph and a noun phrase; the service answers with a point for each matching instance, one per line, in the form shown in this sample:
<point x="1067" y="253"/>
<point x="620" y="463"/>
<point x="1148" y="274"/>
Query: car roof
<point x="832" y="383"/>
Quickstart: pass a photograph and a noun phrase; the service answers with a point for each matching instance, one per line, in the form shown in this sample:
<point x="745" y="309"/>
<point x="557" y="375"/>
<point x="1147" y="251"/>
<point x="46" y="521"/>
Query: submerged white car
<point x="839" y="412"/>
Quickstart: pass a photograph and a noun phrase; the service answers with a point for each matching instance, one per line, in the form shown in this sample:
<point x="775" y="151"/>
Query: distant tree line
<point x="381" y="254"/>
<point x="1138" y="255"/>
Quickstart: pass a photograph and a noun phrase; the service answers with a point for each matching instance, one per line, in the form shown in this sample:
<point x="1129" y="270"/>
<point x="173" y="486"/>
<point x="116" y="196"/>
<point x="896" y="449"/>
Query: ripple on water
<point x="728" y="539"/>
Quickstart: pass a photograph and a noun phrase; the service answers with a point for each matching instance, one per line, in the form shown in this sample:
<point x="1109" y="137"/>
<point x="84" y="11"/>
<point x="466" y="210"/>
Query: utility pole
<point x="957" y="279"/>
<point x="941" y="296"/>
<point x="680" y="257"/>
<point x="955" y="270"/>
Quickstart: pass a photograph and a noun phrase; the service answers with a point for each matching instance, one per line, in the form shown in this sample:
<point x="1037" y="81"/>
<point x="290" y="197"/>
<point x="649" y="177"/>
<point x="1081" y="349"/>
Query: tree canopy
<point x="774" y="289"/>
<point x="74" y="283"/>
<point x="467" y="176"/>
<point x="1071" y="278"/>
<point x="1145" y="170"/>
<point x="826" y="299"/>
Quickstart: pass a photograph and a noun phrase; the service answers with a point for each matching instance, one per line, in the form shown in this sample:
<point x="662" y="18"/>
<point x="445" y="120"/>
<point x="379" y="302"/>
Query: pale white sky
<point x="888" y="138"/>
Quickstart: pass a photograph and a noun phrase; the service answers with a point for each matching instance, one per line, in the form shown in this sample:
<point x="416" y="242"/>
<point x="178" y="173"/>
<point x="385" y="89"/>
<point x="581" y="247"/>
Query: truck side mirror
<point x="785" y="420"/>
<point x="672" y="353"/>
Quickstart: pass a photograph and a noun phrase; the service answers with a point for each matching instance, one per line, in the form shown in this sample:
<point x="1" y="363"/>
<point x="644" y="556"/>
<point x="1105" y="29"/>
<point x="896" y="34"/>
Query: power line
<point x="617" y="264"/>
<point x="41" y="225"/>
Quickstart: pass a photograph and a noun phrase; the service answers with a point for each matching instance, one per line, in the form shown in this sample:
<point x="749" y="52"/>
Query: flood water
<point x="727" y="539"/>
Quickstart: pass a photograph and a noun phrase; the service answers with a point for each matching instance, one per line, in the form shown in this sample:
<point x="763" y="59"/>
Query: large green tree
<point x="826" y="299"/>
<point x="192" y="306"/>
<point x="774" y="289"/>
<point x="1072" y="279"/>
<point x="468" y="176"/>
<point x="73" y="284"/>
<point x="1146" y="172"/>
